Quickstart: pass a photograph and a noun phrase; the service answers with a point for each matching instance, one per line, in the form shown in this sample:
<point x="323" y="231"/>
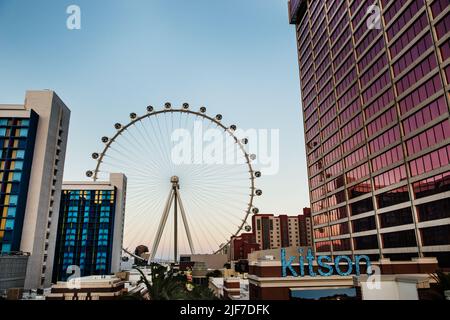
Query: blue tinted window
<point x="20" y="154"/>
<point x="13" y="200"/>
<point x="11" y="212"/>
<point x="18" y="165"/>
<point x="16" y="176"/>
<point x="23" y="133"/>
<point x="9" y="224"/>
<point x="6" y="248"/>
<point x="22" y="143"/>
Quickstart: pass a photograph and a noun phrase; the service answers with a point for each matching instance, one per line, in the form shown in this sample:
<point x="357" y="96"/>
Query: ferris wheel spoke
<point x="231" y="208"/>
<point x="133" y="171"/>
<point x="161" y="147"/>
<point x="228" y="206"/>
<point x="216" y="169"/>
<point x="136" y="235"/>
<point x="196" y="240"/>
<point x="146" y="146"/>
<point x="145" y="207"/>
<point x="206" y="238"/>
<point x="212" y="223"/>
<point x="129" y="153"/>
<point x="206" y="219"/>
<point x="127" y="168"/>
<point x="121" y="162"/>
<point x="224" y="217"/>
<point x="163" y="126"/>
<point x="126" y="145"/>
<point x="162" y="137"/>
<point x="151" y="139"/>
<point x="135" y="222"/>
<point x="172" y="143"/>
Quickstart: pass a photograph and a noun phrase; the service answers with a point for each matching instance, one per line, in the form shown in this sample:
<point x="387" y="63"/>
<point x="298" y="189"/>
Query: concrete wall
<point x="12" y="272"/>
<point x="119" y="181"/>
<point x="41" y="217"/>
<point x="392" y="288"/>
<point x="212" y="261"/>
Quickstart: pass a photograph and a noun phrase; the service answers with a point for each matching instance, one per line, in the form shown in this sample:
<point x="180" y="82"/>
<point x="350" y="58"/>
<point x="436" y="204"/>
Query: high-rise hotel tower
<point x="33" y="139"/>
<point x="375" y="81"/>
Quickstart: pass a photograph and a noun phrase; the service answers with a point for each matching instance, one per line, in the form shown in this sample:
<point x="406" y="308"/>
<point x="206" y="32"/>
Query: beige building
<point x="211" y="261"/>
<point x="35" y="208"/>
<point x="89" y="288"/>
<point x="282" y="231"/>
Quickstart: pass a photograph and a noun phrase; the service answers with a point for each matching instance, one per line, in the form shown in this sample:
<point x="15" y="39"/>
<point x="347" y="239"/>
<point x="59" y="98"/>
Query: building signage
<point x="343" y="265"/>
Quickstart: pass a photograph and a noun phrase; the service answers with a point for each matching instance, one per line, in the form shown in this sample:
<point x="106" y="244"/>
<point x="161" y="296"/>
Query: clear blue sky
<point x="237" y="57"/>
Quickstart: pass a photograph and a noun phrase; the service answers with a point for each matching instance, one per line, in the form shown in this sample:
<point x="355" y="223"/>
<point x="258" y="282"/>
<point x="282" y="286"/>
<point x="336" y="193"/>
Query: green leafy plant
<point x="214" y="274"/>
<point x="167" y="284"/>
<point x="202" y="293"/>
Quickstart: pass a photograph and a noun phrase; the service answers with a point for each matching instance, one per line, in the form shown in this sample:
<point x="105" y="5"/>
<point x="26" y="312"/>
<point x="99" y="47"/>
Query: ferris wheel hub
<point x="174" y="179"/>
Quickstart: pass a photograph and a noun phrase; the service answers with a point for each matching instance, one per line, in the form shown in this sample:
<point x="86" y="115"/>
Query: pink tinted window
<point x="389" y="137"/>
<point x="430" y="112"/>
<point x="445" y="50"/>
<point x="412" y="54"/>
<point x="390" y="177"/>
<point x="438" y="6"/>
<point x="443" y="26"/>
<point x="420" y="94"/>
<point x="404" y="18"/>
<point x="414" y="75"/>
<point x="429" y="162"/>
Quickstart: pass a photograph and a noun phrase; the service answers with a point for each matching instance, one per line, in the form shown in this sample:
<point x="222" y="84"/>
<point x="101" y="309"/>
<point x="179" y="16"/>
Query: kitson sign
<point x="343" y="265"/>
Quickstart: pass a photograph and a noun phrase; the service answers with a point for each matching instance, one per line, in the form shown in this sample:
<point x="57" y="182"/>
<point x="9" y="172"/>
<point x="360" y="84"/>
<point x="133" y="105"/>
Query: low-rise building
<point x="230" y="288"/>
<point x="13" y="270"/>
<point x="211" y="261"/>
<point x="267" y="281"/>
<point x="89" y="288"/>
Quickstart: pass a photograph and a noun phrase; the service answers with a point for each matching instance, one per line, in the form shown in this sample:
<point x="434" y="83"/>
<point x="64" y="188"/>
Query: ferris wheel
<point x="190" y="180"/>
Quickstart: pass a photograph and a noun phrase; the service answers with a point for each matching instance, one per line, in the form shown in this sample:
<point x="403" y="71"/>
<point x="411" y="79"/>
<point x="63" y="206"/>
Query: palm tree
<point x="214" y="274"/>
<point x="166" y="284"/>
<point x="202" y="293"/>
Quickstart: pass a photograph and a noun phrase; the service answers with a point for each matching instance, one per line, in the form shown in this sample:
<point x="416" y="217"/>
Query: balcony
<point x="297" y="9"/>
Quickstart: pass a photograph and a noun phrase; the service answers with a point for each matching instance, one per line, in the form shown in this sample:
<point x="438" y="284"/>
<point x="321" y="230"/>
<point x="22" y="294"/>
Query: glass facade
<point x="17" y="139"/>
<point x="85" y="233"/>
<point x="376" y="103"/>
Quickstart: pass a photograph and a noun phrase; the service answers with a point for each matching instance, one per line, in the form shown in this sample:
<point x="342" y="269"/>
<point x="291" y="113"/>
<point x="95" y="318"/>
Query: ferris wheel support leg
<point x="162" y="225"/>
<point x="175" y="224"/>
<point x="186" y="224"/>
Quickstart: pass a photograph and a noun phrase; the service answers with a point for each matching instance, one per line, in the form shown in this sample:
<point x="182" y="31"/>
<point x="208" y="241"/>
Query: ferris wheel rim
<point x="202" y="113"/>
